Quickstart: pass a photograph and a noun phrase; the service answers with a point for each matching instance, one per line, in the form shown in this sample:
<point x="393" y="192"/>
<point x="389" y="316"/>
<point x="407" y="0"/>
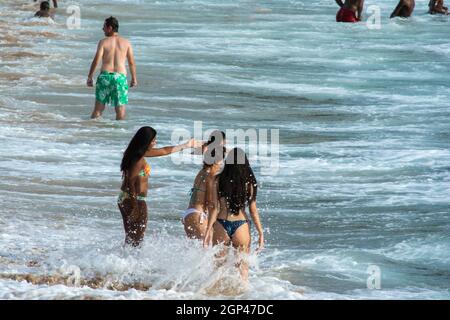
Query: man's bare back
<point x="114" y="52"/>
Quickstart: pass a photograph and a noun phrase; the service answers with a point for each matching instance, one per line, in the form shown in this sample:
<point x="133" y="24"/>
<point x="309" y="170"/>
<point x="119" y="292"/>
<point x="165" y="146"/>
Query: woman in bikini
<point x="135" y="174"/>
<point x="227" y="198"/>
<point x="195" y="217"/>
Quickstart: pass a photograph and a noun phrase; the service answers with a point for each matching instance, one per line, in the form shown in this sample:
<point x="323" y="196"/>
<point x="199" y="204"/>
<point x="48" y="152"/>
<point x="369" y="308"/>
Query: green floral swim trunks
<point x="111" y="88"/>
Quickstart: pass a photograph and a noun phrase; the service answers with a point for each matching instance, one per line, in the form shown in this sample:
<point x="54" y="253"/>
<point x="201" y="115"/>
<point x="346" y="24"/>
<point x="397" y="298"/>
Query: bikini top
<point x="195" y="189"/>
<point x="146" y="171"/>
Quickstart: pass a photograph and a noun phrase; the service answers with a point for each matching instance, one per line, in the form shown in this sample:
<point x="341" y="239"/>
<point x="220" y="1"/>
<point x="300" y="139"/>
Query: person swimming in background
<point x="350" y="11"/>
<point x="195" y="217"/>
<point x="111" y="86"/>
<point x="55" y="3"/>
<point x="135" y="175"/>
<point x="404" y="9"/>
<point x="44" y="11"/>
<point x="227" y="198"/>
<point x="437" y="7"/>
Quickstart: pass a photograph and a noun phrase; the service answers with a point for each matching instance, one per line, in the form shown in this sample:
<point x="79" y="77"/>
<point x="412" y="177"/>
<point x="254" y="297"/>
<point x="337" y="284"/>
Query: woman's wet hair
<point x="113" y="23"/>
<point x="237" y="182"/>
<point x="45" y="5"/>
<point x="137" y="148"/>
<point x="214" y="153"/>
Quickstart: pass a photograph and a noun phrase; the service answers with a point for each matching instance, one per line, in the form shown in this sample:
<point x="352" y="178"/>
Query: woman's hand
<point x="194" y="144"/>
<point x="260" y="243"/>
<point x="207" y="240"/>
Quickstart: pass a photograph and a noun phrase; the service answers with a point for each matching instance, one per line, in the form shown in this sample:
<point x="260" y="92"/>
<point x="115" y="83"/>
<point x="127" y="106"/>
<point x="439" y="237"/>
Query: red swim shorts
<point x="346" y="15"/>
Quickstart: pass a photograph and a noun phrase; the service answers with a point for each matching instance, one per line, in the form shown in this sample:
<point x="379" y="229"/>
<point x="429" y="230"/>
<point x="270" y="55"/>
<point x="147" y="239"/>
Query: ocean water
<point x="364" y="173"/>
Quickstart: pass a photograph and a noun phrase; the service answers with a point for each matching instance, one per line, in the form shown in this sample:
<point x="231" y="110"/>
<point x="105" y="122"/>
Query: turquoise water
<point x="363" y="177"/>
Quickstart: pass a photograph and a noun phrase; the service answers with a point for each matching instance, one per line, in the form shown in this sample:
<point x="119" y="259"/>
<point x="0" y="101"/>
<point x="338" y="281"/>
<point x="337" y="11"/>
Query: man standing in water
<point x="350" y="11"/>
<point x="404" y="9"/>
<point x="111" y="86"/>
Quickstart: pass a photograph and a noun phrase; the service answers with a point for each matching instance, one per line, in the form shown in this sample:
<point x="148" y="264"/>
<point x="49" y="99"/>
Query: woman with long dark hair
<point x="195" y="217"/>
<point x="135" y="174"/>
<point x="235" y="189"/>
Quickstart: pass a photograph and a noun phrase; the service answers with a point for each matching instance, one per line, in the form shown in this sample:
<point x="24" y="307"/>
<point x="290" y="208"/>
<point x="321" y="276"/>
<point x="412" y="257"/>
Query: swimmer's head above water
<point x="44" y="11"/>
<point x="45" y="6"/>
<point x="55" y="4"/>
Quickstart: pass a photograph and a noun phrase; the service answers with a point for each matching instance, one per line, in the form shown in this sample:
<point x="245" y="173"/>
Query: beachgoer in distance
<point x="44" y="11"/>
<point x="111" y="86"/>
<point x="404" y="9"/>
<point x="437" y="7"/>
<point x="55" y="3"/>
<point x="350" y="10"/>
